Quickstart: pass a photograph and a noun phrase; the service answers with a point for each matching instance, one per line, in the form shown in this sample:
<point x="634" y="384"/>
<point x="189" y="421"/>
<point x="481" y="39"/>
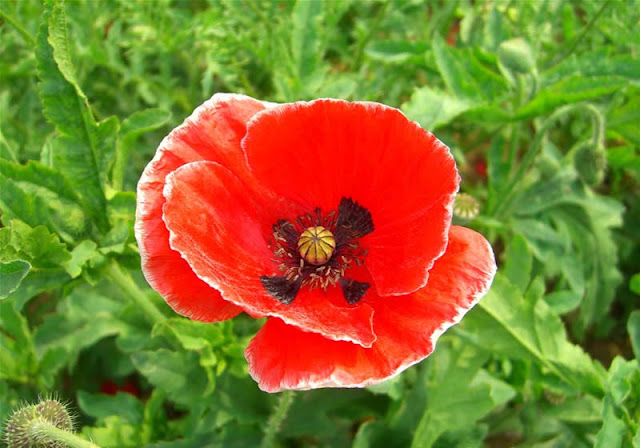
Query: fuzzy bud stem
<point x="45" y="434"/>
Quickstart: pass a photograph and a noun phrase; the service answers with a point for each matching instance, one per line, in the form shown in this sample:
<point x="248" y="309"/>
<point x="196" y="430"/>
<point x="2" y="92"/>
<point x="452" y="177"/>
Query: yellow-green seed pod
<point x="316" y="245"/>
<point x="466" y="206"/>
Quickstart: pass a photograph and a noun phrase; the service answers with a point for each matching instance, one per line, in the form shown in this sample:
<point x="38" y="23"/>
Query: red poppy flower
<point x="329" y="217"/>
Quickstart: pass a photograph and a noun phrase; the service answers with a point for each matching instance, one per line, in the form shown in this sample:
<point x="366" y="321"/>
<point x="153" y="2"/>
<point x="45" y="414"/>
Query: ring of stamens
<point x="316" y="249"/>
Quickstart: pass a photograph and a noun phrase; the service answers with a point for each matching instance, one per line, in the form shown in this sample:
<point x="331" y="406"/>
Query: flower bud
<point x="18" y="432"/>
<point x="516" y="55"/>
<point x="590" y="161"/>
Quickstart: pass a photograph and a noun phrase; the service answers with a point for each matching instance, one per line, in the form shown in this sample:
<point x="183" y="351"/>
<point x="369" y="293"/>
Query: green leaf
<point x="623" y="120"/>
<point x="562" y="302"/>
<point x="84" y="149"/>
<point x="371" y="434"/>
<point x="434" y="108"/>
<point x="17" y="355"/>
<point x="305" y="37"/>
<point x="397" y="51"/>
<point x="592" y="236"/>
<point x="135" y="125"/>
<point x="176" y="373"/>
<point x="613" y="429"/>
<point x="568" y="91"/>
<point x="11" y="275"/>
<point x="39" y="195"/>
<point x="42" y="250"/>
<point x="82" y="319"/>
<point x="121" y="212"/>
<point x="459" y="393"/>
<point x="621" y="406"/>
<point x="80" y="255"/>
<point x="518" y="262"/>
<point x="507" y="324"/>
<point x="578" y="240"/>
<point x="498" y="169"/>
<point x="592" y="65"/>
<point x="100" y="406"/>
<point x="465" y="76"/>
<point x="215" y="345"/>
<point x="116" y="433"/>
<point x="495" y="29"/>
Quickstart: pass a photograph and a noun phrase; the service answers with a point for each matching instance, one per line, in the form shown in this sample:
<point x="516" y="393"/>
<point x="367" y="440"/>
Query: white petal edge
<point x="337" y="378"/>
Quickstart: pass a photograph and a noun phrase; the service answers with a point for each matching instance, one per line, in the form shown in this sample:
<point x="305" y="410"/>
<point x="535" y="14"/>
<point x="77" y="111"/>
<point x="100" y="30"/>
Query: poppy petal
<point x="284" y="357"/>
<point x="317" y="153"/>
<point x="222" y="230"/>
<point x="212" y="132"/>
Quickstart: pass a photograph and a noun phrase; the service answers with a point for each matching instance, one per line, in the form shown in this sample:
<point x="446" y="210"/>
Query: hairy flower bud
<point x="516" y="55"/>
<point x="590" y="161"/>
<point x="19" y="433"/>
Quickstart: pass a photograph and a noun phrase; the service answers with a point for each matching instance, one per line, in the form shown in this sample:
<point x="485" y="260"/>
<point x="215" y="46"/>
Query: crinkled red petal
<point x="212" y="132"/>
<point x="283" y="357"/>
<point x="221" y="228"/>
<point x="318" y="152"/>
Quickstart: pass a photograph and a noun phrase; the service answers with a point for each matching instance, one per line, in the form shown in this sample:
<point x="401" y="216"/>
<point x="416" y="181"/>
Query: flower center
<point x="315" y="250"/>
<point x="316" y="245"/>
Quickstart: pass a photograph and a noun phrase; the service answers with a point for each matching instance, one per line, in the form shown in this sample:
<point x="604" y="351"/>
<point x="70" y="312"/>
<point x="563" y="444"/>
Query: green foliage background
<point x="540" y="103"/>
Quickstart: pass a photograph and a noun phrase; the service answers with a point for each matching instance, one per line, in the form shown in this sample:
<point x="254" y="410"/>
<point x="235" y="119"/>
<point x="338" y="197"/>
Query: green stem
<point x="126" y="283"/>
<point x="276" y="419"/>
<point x="536" y="145"/>
<point x="19" y="28"/>
<point x="45" y="433"/>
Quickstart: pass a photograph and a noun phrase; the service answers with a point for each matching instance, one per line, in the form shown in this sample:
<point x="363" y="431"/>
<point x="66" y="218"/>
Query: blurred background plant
<point x="540" y="103"/>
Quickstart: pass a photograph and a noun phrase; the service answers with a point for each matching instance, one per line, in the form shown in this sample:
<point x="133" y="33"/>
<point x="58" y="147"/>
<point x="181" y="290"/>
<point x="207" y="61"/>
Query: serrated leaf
<point x="11" y="275"/>
<point x="116" y="433"/>
<point x="623" y="120"/>
<point x="518" y="262"/>
<point x="17" y="355"/>
<point x="568" y="91"/>
<point x="592" y="65"/>
<point x="39" y="195"/>
<point x="465" y="76"/>
<point x="396" y="51"/>
<point x="621" y="406"/>
<point x="82" y="318"/>
<point x="562" y="302"/>
<point x="178" y="374"/>
<point x="135" y="125"/>
<point x="80" y="255"/>
<point x="433" y="108"/>
<point x="459" y="392"/>
<point x="84" y="149"/>
<point x="121" y="211"/>
<point x="498" y="169"/>
<point x="495" y="29"/>
<point x="209" y="341"/>
<point x="42" y="250"/>
<point x="506" y="324"/>
<point x="305" y="37"/>
<point x="100" y="406"/>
